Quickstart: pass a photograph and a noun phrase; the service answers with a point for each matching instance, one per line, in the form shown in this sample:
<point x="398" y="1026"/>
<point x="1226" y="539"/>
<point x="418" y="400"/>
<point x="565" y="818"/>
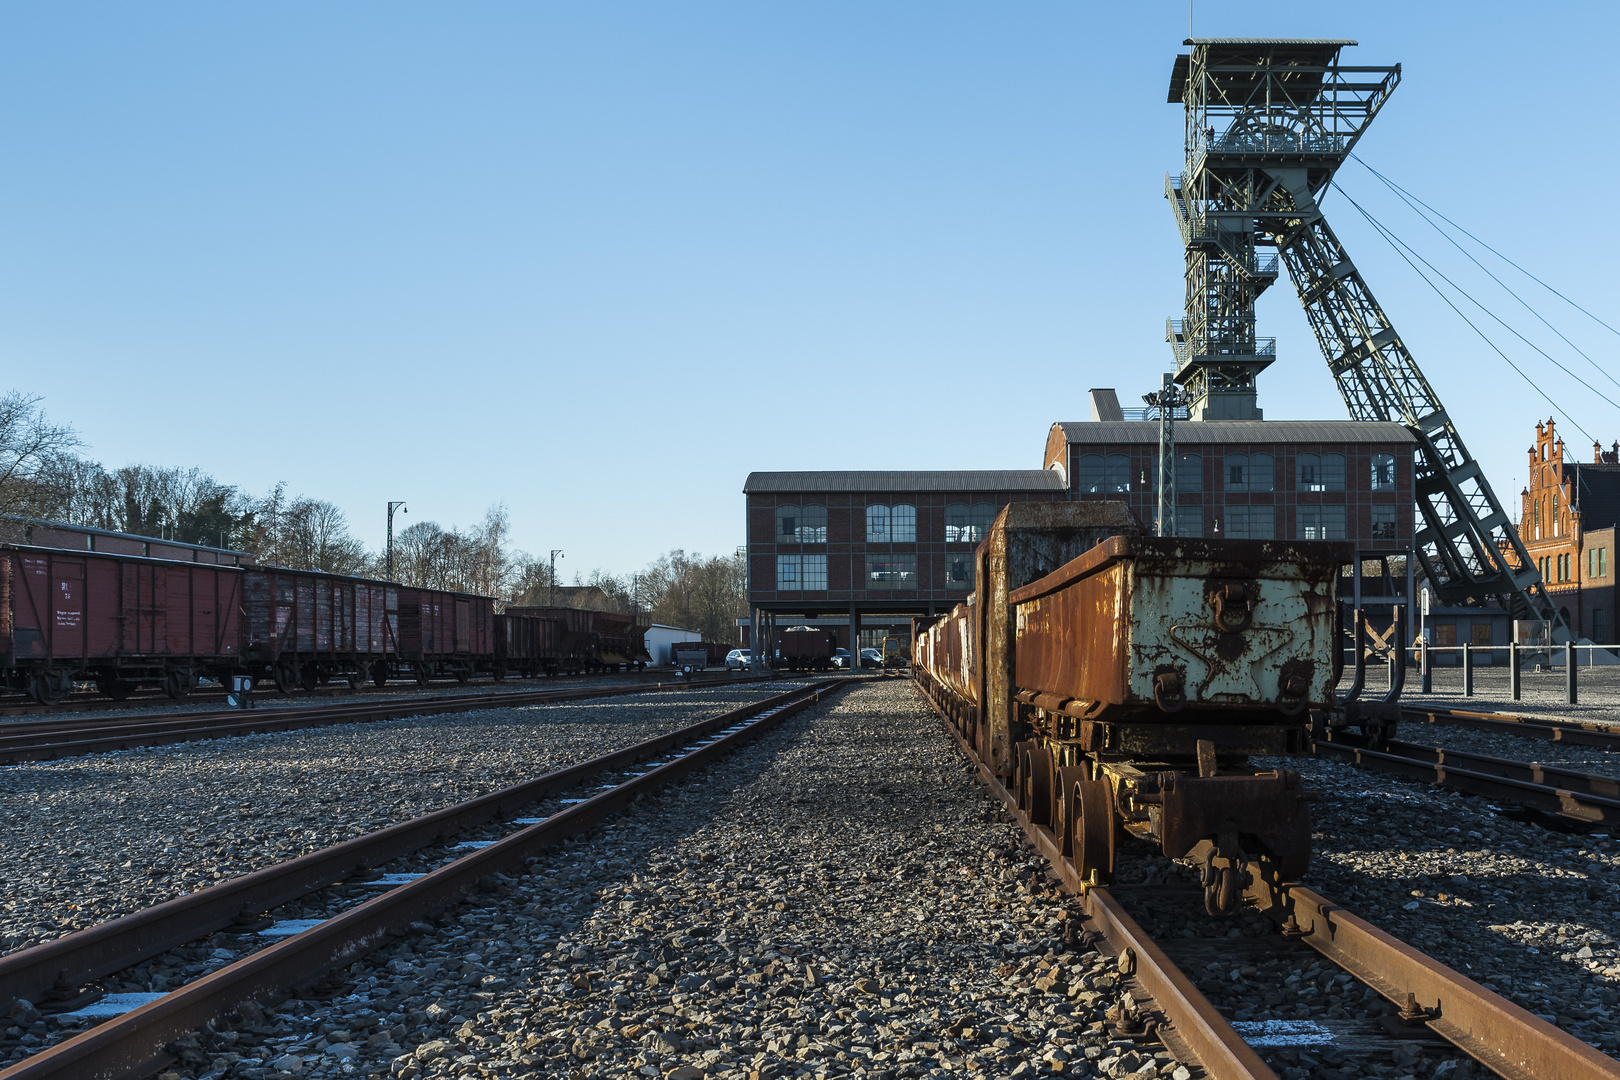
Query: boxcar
<point x="526" y="645"/>
<point x="303" y="627"/>
<point x="803" y="647"/>
<point x="443" y="633"/>
<point x="121" y="621"/>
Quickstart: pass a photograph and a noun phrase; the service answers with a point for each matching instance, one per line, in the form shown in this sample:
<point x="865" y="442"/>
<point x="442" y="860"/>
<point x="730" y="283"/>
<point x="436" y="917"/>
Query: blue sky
<point x="599" y="261"/>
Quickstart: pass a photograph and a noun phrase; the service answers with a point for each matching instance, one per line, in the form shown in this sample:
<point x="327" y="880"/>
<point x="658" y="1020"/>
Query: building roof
<point x="1238" y="431"/>
<point x="769" y="483"/>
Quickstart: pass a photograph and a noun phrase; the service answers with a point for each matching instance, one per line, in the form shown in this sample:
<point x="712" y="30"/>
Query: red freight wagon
<point x="444" y="633"/>
<point x="304" y="627"/>
<point x="122" y="621"/>
<point x="575" y="644"/>
<point x="527" y="645"/>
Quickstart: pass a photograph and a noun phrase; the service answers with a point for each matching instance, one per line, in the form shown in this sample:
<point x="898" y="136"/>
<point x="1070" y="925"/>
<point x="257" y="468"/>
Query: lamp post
<point x="556" y="553"/>
<point x="400" y="505"/>
<point x="1167" y="400"/>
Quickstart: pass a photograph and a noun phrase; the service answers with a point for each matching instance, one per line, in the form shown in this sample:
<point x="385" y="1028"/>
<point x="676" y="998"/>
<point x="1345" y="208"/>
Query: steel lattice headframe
<point x="1268" y="122"/>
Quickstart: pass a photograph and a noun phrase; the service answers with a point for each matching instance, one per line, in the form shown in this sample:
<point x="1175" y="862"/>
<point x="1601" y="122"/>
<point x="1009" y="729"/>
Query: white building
<point x="661" y="637"/>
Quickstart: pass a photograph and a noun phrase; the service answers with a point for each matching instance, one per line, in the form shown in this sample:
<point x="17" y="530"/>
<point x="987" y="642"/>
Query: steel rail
<point x="49" y="740"/>
<point x="132" y="1044"/>
<point x="91" y="701"/>
<point x="1575" y="732"/>
<point x="80" y="957"/>
<point x="1190" y="1026"/>
<point x="1500" y="1035"/>
<point x="1579" y="797"/>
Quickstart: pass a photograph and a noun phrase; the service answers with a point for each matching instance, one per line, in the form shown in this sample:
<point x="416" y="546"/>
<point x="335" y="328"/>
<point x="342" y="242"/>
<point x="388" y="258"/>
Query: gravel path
<point x="1526" y="911"/>
<point x="92" y="838"/>
<point x="837" y="899"/>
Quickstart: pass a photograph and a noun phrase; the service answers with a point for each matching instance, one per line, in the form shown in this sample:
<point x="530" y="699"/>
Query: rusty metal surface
<point x="1505" y="1038"/>
<point x="124" y="1045"/>
<point x="1273" y="808"/>
<point x="1189" y="1024"/>
<point x="1157" y="624"/>
<point x="1580" y="797"/>
<point x="1575" y="732"/>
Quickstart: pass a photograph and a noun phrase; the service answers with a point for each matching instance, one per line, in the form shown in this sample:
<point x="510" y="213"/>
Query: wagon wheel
<point x="379" y="672"/>
<point x="1066" y="805"/>
<point x="285" y="675"/>
<point x="498" y="673"/>
<point x="117" y="689"/>
<point x="177" y="683"/>
<point x="1039" y="784"/>
<point x="424" y="672"/>
<point x="463" y="672"/>
<point x="357" y="677"/>
<point x="48" y="687"/>
<point x="1020" y="777"/>
<point x="308" y="675"/>
<point x="1094" y="829"/>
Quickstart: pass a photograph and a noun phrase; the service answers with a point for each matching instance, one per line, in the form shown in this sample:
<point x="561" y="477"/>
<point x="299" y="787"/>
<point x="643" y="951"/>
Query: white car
<point x="738" y="659"/>
<point x="871" y="658"/>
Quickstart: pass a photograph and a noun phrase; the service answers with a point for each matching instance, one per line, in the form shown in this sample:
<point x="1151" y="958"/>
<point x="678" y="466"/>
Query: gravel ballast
<point x="838" y="898"/>
<point x="92" y="838"/>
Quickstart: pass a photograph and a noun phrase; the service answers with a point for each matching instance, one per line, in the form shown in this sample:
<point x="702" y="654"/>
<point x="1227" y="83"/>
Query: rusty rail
<point x="47" y="740"/>
<point x="133" y="1044"/>
<point x="1190" y="1026"/>
<point x="1499" y="1034"/>
<point x="1586" y="798"/>
<point x="111" y="946"/>
<point x="1575" y="732"/>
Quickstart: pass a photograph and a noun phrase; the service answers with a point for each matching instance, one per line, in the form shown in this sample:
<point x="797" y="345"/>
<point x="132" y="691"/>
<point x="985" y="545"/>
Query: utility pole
<point x="1167" y="400"/>
<point x="556" y="553"/>
<point x="400" y="505"/>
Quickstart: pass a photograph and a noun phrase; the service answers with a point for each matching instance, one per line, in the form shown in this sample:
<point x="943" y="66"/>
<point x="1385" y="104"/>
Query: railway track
<point x="133" y="1043"/>
<point x="47" y="740"/>
<point x="1574" y="732"/>
<point x="90" y="701"/>
<point x="1433" y="999"/>
<point x="1564" y="795"/>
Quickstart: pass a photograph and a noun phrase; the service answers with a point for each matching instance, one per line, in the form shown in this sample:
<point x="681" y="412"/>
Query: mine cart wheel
<point x="1066" y="805"/>
<point x="379" y="673"/>
<point x="1038" y="797"/>
<point x="1094" y="829"/>
<point x="357" y="677"/>
<point x="424" y="673"/>
<point x="1020" y="777"/>
<point x="177" y="683"/>
<point x="285" y="675"/>
<point x="308" y="676"/>
<point x="49" y="687"/>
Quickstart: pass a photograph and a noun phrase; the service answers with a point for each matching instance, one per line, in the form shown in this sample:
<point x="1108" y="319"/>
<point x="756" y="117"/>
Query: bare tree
<point x="706" y="594"/>
<point x="31" y="449"/>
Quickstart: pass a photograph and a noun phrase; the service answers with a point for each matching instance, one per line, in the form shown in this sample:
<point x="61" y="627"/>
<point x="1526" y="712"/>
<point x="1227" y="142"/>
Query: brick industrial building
<point x="847" y="549"/>
<point x="1567" y="522"/>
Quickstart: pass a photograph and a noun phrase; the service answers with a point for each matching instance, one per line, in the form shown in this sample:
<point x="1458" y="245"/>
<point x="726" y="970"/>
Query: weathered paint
<point x="1101" y="629"/>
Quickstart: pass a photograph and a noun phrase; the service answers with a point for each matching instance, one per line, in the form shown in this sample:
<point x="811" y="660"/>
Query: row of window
<point x="1111" y="474"/>
<point x="1562" y="567"/>
<point x="896" y="524"/>
<point x="808" y="573"/>
<point x="1310" y="523"/>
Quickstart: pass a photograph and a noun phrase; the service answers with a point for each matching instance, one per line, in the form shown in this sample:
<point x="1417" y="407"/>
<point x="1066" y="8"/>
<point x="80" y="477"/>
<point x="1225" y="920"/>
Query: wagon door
<point x="305" y="618"/>
<point x="103" y="627"/>
<point x="228" y="626"/>
<point x="178" y="592"/>
<point x="30" y="594"/>
<point x="205" y="583"/>
<point x="67" y="609"/>
<point x="325" y="615"/>
<point x="463" y="626"/>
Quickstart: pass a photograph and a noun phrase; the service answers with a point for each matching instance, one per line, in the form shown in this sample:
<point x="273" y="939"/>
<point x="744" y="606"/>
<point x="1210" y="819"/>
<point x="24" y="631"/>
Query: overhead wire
<point x="1409" y="199"/>
<point x="1395" y="243"/>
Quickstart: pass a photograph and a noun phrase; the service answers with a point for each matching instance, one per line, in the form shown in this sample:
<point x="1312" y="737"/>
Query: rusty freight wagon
<point x="304" y="627"/>
<point x="119" y="621"/>
<point x="526" y="645"/>
<point x="804" y="648"/>
<point x="442" y="633"/>
<point x="619" y="640"/>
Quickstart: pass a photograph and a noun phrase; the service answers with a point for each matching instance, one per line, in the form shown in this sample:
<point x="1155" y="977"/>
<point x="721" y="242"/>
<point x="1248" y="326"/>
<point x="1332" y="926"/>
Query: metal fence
<point x="1540" y="676"/>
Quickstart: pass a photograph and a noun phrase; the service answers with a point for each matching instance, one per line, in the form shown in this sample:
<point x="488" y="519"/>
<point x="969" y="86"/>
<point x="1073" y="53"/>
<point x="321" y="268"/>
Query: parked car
<point x="871" y="658"/>
<point x="840" y="658"/>
<point x="737" y="659"/>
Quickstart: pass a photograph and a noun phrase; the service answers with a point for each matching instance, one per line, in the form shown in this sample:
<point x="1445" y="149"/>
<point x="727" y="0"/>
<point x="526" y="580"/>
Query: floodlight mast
<point x="1268" y="123"/>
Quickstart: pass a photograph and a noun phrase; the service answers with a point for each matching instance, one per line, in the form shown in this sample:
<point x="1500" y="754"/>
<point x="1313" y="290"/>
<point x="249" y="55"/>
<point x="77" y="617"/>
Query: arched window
<point x="877" y="524"/>
<point x="1248" y="472"/>
<point x="966" y="524"/>
<point x="1319" y="472"/>
<point x="1383" y="472"/>
<point x="1189" y="474"/>
<point x="891" y="524"/>
<point x="801" y="524"/>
